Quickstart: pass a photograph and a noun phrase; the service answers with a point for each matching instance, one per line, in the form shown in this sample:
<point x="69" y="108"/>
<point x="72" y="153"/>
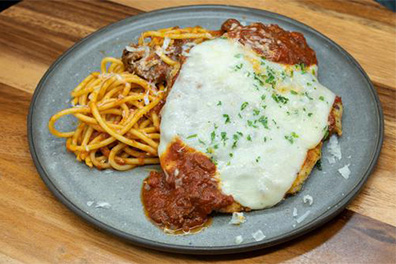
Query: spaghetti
<point x="118" y="126"/>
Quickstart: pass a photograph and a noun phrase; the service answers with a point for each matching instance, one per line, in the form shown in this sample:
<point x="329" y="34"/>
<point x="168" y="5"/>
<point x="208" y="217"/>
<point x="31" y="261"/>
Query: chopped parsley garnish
<point x="240" y="116"/>
<point x="212" y="136"/>
<point x="264" y="121"/>
<point x="263" y="97"/>
<point x="234" y="145"/>
<point x="231" y="155"/>
<point x="224" y="137"/>
<point x="258" y="159"/>
<point x="235" y="137"/>
<point x="200" y="141"/>
<point x="244" y="105"/>
<point x="240" y="133"/>
<point x="291" y="73"/>
<point x="238" y="55"/>
<point x="309" y="114"/>
<point x="293" y="92"/>
<point x="313" y="71"/>
<point x="321" y="98"/>
<point x="238" y="66"/>
<point x="249" y="138"/>
<point x="264" y="106"/>
<point x="212" y="159"/>
<point x="270" y="78"/>
<point x="192" y="136"/>
<point x="309" y="84"/>
<point x="265" y="139"/>
<point x="280" y="99"/>
<point x="293" y="134"/>
<point x="307" y="95"/>
<point x="227" y="119"/>
<point x="256" y="112"/>
<point x="209" y="150"/>
<point x="302" y="67"/>
<point x="223" y="37"/>
<point x="219" y="103"/>
<point x="251" y="124"/>
<point x="291" y="138"/>
<point x="256" y="77"/>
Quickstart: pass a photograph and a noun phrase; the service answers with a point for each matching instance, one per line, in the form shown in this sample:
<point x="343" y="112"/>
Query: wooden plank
<point x="371" y="41"/>
<point x="35" y="33"/>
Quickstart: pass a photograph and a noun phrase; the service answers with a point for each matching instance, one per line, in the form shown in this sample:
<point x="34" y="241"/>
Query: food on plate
<point x="118" y="108"/>
<point x="242" y="126"/>
<point x="236" y="118"/>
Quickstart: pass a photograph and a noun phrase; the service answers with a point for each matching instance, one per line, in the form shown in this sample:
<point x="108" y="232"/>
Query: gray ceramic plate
<point x="81" y="188"/>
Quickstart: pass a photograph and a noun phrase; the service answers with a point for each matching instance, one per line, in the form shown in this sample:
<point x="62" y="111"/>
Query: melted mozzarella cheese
<point x="256" y="119"/>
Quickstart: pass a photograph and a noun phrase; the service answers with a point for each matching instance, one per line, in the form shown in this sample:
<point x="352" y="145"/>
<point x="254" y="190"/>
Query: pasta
<point x="117" y="125"/>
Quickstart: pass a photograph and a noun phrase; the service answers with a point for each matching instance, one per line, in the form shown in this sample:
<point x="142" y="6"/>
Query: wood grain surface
<point x="36" y="228"/>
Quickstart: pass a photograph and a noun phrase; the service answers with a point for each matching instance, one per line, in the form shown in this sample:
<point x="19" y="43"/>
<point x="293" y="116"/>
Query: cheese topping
<point x="254" y="118"/>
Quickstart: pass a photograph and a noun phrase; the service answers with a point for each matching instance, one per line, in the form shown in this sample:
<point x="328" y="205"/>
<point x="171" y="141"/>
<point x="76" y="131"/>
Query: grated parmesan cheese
<point x="165" y="44"/>
<point x="334" y="148"/>
<point x="258" y="236"/>
<point x="104" y="205"/>
<point x="238" y="240"/>
<point x="295" y="212"/>
<point x="302" y="218"/>
<point x="237" y="218"/>
<point x="132" y="49"/>
<point x="308" y="199"/>
<point x="345" y="171"/>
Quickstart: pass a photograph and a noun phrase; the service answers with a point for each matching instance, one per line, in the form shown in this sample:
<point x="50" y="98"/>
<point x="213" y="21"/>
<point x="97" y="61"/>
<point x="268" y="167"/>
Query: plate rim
<point x="205" y="250"/>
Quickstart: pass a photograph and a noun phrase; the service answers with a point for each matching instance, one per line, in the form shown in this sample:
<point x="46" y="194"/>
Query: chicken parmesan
<point x="242" y="126"/>
<point x="236" y="118"/>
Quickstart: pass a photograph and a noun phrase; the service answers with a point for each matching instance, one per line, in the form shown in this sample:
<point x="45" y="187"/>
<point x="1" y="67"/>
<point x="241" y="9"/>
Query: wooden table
<point x="36" y="228"/>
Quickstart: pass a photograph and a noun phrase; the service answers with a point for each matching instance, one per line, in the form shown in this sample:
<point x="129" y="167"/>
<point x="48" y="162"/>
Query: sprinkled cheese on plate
<point x="295" y="212"/>
<point x="308" y="199"/>
<point x="104" y="205"/>
<point x="258" y="236"/>
<point x="345" y="171"/>
<point x="238" y="240"/>
<point x="302" y="218"/>
<point x="237" y="218"/>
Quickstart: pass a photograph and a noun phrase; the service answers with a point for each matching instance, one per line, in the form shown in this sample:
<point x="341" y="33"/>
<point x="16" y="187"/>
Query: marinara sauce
<point x="183" y="196"/>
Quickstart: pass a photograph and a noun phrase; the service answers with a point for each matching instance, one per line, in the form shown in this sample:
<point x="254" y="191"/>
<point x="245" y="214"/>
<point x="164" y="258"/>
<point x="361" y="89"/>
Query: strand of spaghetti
<point x="106" y="60"/>
<point x="155" y="119"/>
<point x="165" y="58"/>
<point x="141" y="161"/>
<point x="112" y="161"/>
<point x="133" y="120"/>
<point x="154" y="136"/>
<point x="86" y="137"/>
<point x="87" y="89"/>
<point x="143" y="137"/>
<point x="99" y="162"/>
<point x="107" y="83"/>
<point x="136" y="153"/>
<point x="91" y="77"/>
<point x="54" y="118"/>
<point x="148" y="129"/>
<point x="145" y="123"/>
